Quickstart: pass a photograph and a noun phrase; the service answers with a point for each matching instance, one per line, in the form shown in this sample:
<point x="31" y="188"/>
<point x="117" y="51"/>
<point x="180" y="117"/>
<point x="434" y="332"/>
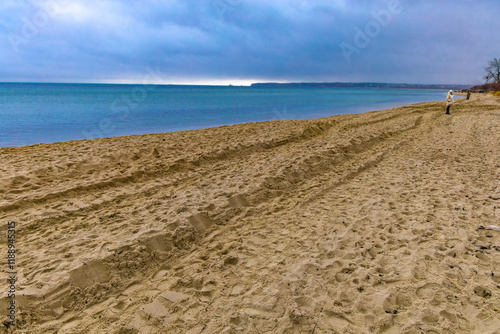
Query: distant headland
<point x="359" y="85"/>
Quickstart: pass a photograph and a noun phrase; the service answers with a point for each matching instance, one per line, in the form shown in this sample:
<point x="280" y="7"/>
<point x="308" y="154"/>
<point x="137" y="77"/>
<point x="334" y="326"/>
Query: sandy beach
<point x="382" y="222"/>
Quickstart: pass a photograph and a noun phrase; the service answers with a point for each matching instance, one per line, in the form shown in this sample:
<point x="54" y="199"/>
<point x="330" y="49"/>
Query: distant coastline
<point x="273" y="84"/>
<point x="360" y="85"/>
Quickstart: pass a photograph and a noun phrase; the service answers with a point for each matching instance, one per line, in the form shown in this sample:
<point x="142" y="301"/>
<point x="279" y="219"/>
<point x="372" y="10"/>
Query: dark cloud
<point x="223" y="40"/>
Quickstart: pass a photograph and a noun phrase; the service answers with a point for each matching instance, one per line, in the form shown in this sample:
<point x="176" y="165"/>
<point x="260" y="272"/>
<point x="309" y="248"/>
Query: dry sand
<point x="368" y="223"/>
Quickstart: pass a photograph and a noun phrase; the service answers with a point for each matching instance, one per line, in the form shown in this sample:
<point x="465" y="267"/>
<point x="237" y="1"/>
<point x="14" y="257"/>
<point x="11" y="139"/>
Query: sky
<point x="244" y="41"/>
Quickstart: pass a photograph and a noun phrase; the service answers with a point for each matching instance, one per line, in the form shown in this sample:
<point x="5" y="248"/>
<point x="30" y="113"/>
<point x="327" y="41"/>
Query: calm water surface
<point x="46" y="113"/>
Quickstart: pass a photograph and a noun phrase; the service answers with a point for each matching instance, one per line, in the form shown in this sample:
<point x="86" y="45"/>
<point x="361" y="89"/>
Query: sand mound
<point x="381" y="222"/>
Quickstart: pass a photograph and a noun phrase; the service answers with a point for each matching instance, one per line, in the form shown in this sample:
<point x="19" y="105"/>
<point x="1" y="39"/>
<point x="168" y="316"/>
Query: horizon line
<point x="236" y="85"/>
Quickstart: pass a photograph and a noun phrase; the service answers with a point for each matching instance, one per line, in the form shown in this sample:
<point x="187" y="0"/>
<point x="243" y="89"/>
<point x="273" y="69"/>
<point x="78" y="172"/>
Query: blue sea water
<point x="46" y="113"/>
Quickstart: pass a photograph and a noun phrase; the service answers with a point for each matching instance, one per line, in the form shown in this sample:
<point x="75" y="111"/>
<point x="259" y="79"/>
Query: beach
<point x="381" y="222"/>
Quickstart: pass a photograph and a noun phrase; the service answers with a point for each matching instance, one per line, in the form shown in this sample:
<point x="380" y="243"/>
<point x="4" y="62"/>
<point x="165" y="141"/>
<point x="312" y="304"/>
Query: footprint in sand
<point x="432" y="292"/>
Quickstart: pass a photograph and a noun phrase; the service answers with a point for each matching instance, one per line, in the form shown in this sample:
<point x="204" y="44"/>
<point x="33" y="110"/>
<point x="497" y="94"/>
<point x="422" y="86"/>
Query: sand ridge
<point x="368" y="223"/>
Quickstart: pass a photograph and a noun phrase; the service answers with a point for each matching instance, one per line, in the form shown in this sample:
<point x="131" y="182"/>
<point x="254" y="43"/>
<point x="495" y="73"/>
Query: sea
<point x="34" y="113"/>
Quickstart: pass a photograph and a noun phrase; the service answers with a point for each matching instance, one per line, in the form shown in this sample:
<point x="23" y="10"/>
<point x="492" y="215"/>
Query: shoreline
<point x="111" y="117"/>
<point x="219" y="126"/>
<point x="370" y="222"/>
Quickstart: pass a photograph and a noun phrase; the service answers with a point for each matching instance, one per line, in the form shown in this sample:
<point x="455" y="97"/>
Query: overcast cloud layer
<point x="243" y="41"/>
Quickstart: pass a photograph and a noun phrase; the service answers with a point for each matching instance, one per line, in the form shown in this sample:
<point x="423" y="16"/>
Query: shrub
<point x="497" y="94"/>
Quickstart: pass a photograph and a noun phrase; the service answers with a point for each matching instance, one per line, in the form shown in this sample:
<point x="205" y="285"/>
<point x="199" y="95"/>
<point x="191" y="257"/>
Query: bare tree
<point x="493" y="71"/>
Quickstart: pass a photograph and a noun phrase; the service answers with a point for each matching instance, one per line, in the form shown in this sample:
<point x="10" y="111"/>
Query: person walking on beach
<point x="468" y="94"/>
<point x="449" y="101"/>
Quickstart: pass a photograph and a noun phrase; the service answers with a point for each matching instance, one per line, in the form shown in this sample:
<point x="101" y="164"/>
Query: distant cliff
<point x="358" y="85"/>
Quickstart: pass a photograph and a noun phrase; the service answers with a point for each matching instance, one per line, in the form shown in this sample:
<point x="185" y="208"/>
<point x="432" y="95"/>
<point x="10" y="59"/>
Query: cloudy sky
<point x="244" y="41"/>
